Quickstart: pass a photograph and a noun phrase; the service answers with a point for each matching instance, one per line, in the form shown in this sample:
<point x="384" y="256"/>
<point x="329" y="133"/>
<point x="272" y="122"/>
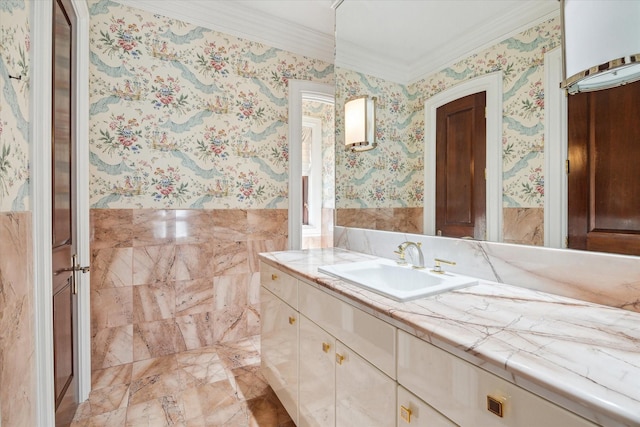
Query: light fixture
<point x="601" y="43"/>
<point x="360" y="123"/>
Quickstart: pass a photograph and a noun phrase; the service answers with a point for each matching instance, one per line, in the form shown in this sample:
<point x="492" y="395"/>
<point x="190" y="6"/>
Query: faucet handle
<point x="437" y="268"/>
<point x="400" y="253"/>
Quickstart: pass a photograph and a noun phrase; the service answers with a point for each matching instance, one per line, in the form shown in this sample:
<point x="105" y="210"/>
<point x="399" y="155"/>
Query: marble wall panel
<point x="523" y="226"/>
<point x="17" y="363"/>
<point x="181" y="279"/>
<point x="405" y="220"/>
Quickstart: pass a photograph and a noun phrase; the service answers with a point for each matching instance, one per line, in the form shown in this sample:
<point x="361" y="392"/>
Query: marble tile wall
<point x="166" y="281"/>
<point x="608" y="279"/>
<point x="17" y="358"/>
<point x="405" y="220"/>
<point x="523" y="226"/>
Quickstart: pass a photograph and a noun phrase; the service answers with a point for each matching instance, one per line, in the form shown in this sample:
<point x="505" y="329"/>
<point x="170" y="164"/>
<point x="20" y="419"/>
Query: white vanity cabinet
<point x="317" y="376"/>
<point x="471" y="396"/>
<point x="361" y="348"/>
<point x="334" y="365"/>
<point x="364" y="395"/>
<point x="279" y="336"/>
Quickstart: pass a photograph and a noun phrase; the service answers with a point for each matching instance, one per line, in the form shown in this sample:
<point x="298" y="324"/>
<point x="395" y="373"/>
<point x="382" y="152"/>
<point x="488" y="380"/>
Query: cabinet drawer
<point x="463" y="392"/>
<point x="283" y="285"/>
<point x="413" y="412"/>
<point x="370" y="337"/>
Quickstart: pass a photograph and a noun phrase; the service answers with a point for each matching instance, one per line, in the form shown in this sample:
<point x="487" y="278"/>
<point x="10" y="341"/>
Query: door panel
<point x="460" y="167"/>
<point x="63" y="216"/>
<point x="604" y="178"/>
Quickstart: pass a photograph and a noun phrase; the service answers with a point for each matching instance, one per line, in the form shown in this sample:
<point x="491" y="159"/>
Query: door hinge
<point x="485" y="174"/>
<point x="566" y="241"/>
<point x="485" y="112"/>
<point x="566" y="166"/>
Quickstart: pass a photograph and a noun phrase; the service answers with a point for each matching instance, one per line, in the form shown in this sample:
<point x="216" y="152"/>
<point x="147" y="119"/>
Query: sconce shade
<point x="601" y="43"/>
<point x="359" y="123"/>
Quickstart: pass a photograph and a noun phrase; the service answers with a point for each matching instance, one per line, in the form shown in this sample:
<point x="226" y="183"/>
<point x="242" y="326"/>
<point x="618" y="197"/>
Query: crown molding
<point x="515" y="21"/>
<point x="483" y="37"/>
<point x="246" y="23"/>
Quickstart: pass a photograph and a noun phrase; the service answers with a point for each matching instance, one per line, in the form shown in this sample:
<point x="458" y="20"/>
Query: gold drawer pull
<point x="339" y="358"/>
<point x="495" y="406"/>
<point x="274" y="277"/>
<point x="405" y="414"/>
<point x="292" y="320"/>
<point x="326" y="347"/>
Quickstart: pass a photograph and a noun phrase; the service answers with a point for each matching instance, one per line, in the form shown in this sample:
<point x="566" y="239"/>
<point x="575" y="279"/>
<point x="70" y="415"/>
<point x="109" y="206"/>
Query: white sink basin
<point x="401" y="283"/>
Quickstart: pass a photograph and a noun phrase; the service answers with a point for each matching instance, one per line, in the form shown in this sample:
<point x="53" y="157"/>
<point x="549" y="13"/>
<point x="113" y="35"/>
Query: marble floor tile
<point x="217" y="385"/>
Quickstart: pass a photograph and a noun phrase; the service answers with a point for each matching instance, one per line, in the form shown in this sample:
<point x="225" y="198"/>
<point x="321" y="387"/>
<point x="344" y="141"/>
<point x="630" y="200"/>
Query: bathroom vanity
<point x="486" y="355"/>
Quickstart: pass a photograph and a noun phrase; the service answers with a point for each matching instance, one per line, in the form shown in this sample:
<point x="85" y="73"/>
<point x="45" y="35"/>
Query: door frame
<point x="309" y="91"/>
<point x="492" y="84"/>
<point x="41" y="17"/>
<point x="556" y="217"/>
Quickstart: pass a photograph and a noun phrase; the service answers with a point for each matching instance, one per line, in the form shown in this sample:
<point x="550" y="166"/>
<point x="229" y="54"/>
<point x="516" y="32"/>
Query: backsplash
<point x="607" y="279"/>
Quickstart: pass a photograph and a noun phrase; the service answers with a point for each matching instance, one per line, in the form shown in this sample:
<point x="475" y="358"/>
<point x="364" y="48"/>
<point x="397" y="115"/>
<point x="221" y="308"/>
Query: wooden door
<point x="460" y="168"/>
<point x="63" y="217"/>
<point x="604" y="170"/>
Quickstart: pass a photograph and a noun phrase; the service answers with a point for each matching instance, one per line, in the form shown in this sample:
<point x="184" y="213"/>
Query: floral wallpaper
<point x="187" y="117"/>
<point x="325" y="112"/>
<point x="401" y="122"/>
<point x="391" y="175"/>
<point x="14" y="105"/>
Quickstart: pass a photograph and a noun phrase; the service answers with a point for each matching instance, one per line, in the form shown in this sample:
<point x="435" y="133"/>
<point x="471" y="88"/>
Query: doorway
<point x="492" y="85"/>
<point x="312" y="167"/>
<point x="460" y="168"/>
<point x="301" y="91"/>
<point x="50" y="213"/>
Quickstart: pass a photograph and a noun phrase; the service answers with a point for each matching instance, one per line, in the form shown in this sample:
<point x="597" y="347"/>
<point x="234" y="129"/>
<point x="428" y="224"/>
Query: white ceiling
<point x="399" y="40"/>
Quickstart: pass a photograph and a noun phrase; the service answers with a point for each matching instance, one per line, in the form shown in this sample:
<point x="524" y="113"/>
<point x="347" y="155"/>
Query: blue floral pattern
<point x="183" y="116"/>
<point x="400" y="125"/>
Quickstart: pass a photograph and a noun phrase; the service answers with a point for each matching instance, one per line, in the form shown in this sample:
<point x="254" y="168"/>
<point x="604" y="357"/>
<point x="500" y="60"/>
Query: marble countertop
<point x="583" y="356"/>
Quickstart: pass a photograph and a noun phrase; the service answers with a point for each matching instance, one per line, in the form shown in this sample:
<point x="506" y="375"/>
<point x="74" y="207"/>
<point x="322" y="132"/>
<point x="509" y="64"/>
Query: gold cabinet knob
<point x="274" y="277"/>
<point x="405" y="414"/>
<point x="326" y="347"/>
<point x="495" y="405"/>
<point x="292" y="320"/>
<point x="339" y="358"/>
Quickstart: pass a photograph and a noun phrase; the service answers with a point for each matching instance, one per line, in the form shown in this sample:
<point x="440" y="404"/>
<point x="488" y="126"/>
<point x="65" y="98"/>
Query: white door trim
<point x="82" y="195"/>
<point x="299" y="90"/>
<point x="40" y="126"/>
<point x="492" y="84"/>
<point x="555" y="153"/>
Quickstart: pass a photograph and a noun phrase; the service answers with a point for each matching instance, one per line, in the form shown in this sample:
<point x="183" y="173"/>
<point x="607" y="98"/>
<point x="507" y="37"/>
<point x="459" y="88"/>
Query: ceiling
<point x="411" y="38"/>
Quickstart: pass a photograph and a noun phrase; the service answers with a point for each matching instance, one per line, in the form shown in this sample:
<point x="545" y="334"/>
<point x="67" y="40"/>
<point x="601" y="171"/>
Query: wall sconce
<point x="601" y="43"/>
<point x="360" y="123"/>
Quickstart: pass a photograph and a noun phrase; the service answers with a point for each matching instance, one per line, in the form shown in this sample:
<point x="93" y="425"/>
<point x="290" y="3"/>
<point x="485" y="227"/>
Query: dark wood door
<point x="460" y="168"/>
<point x="604" y="170"/>
<point x="63" y="216"/>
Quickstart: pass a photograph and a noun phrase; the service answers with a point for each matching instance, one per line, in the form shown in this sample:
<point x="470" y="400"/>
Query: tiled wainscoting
<point x="17" y="363"/>
<point x="520" y="225"/>
<point x="167" y="281"/>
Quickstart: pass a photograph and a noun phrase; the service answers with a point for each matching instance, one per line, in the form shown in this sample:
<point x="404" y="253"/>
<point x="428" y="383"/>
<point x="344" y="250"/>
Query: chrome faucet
<point x="403" y="246"/>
